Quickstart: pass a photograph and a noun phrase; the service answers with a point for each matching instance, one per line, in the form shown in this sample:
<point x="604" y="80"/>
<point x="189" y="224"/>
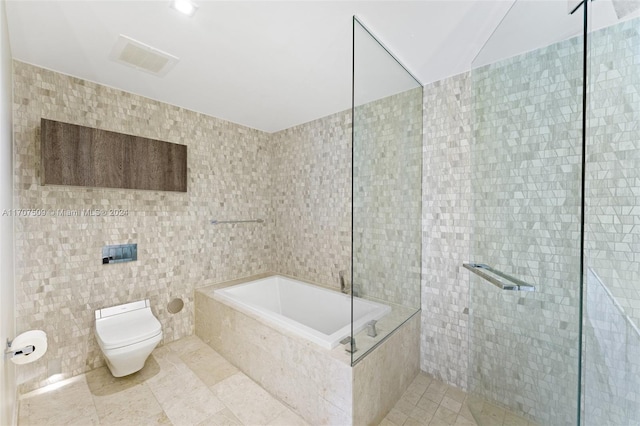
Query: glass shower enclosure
<point x="555" y="247"/>
<point x="387" y="188"/>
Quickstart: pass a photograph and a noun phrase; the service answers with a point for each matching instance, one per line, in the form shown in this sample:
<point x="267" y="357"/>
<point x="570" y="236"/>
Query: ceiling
<point x="264" y="64"/>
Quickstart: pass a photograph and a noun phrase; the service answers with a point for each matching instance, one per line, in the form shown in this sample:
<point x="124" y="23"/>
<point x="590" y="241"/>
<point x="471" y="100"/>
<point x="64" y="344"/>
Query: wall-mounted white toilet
<point x="126" y="335"/>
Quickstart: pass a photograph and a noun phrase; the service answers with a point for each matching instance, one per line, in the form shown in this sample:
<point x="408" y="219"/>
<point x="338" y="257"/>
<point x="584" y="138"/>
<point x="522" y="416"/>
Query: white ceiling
<point x="264" y="64"/>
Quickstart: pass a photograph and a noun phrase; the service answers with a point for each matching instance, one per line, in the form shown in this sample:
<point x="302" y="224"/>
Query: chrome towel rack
<point x="497" y="278"/>
<point x="218" y="222"/>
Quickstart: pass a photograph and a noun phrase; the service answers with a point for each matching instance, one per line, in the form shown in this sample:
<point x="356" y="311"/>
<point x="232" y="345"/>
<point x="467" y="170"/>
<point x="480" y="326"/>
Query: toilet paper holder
<point x="11" y="352"/>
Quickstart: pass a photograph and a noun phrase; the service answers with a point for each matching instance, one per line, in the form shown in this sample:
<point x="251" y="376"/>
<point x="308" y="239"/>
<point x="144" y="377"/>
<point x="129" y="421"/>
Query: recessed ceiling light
<point x="184" y="6"/>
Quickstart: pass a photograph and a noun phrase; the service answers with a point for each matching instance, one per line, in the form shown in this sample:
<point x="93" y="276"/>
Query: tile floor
<point x="183" y="383"/>
<point x="188" y="383"/>
<point x="428" y="401"/>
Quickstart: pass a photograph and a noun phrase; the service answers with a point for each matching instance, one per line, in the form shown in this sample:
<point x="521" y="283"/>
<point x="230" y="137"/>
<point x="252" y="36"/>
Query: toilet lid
<point x="126" y="329"/>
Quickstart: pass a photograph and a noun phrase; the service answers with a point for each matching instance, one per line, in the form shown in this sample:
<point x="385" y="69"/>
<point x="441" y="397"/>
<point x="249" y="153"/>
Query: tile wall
<point x="613" y="159"/>
<point x="60" y="280"/>
<point x="611" y="359"/>
<point x="387" y="209"/>
<point x="526" y="180"/>
<point x="446" y="228"/>
<point x="612" y="242"/>
<point x="311" y="169"/>
<point x="526" y="116"/>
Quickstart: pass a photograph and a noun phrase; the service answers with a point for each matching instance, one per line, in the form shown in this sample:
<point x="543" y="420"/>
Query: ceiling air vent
<point x="142" y="57"/>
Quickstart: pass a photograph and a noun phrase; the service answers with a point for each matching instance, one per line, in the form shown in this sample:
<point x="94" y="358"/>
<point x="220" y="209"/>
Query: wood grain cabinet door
<point x="82" y="156"/>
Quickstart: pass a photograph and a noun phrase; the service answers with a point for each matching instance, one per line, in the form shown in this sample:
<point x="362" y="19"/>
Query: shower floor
<point x="428" y="401"/>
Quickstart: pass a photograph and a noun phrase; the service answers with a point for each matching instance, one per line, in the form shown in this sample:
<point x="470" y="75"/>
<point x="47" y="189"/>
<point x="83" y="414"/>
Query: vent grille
<point x="143" y="57"/>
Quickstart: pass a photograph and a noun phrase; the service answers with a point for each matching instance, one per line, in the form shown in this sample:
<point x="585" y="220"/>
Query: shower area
<point x="554" y="187"/>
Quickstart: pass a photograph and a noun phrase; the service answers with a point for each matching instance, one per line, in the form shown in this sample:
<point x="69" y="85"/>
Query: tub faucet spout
<point x="344" y="286"/>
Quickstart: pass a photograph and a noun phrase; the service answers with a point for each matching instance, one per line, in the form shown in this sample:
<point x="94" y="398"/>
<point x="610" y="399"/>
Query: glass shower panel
<point x="611" y="355"/>
<point x="526" y="156"/>
<point x="387" y="191"/>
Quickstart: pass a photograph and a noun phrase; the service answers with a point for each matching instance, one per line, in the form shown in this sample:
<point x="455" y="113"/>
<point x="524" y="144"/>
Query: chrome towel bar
<point x="497" y="278"/>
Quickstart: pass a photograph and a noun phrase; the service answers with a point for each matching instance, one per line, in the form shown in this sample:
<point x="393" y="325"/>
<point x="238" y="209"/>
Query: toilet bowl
<point x="126" y="335"/>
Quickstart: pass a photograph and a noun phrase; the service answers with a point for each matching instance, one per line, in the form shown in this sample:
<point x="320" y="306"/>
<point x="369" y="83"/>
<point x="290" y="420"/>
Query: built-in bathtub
<point x="321" y="315"/>
<point x="320" y="384"/>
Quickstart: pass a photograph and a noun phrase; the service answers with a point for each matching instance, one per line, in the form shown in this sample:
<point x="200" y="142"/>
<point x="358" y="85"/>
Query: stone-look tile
<point x="431" y="396"/>
<point x="490" y="414"/>
<point x="511" y="419"/>
<point x="60" y="280"/>
<point x="396" y="417"/>
<point x="222" y="418"/>
<point x="288" y="418"/>
<point x="383" y="376"/>
<point x="164" y="384"/>
<point x="526" y="216"/>
<point x="451" y="404"/>
<point x="448" y="416"/>
<point x="413" y="422"/>
<point x="248" y="401"/>
<point x="99" y="398"/>
<point x="135" y="405"/>
<point x="427" y="406"/>
<point x="192" y="405"/>
<point x="312" y="199"/>
<point x="612" y="348"/>
<point x="208" y="365"/>
<point x="71" y="404"/>
<point x="421" y="416"/>
<point x="463" y="421"/>
<point x="446" y="222"/>
<point x="453" y="411"/>
<point x="102" y="383"/>
<point x="187" y="345"/>
<point x="456" y="394"/>
<point x="387" y="172"/>
<point x="318" y="389"/>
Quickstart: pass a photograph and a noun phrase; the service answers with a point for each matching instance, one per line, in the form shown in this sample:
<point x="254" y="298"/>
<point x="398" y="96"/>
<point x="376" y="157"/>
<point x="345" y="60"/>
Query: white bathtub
<point x="315" y="313"/>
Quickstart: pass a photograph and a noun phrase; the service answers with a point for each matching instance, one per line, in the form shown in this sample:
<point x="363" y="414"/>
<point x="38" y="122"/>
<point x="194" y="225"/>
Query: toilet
<point x="126" y="335"/>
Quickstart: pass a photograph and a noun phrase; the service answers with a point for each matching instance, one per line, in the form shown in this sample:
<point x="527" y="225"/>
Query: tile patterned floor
<point x="428" y="401"/>
<point x="183" y="383"/>
<point x="188" y="383"/>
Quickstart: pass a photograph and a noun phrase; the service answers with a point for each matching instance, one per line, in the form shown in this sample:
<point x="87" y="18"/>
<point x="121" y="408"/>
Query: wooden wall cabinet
<point x="83" y="156"/>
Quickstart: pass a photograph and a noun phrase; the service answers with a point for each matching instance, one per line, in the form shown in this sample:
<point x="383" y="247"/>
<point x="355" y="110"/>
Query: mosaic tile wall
<point x="446" y="200"/>
<point x="526" y="174"/>
<point x="311" y="171"/>
<point x="611" y="359"/>
<point x="612" y="349"/>
<point x="60" y="278"/>
<point x="387" y="194"/>
<point x="613" y="163"/>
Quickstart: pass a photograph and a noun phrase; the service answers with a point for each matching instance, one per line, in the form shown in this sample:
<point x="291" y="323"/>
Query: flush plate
<point x="119" y="253"/>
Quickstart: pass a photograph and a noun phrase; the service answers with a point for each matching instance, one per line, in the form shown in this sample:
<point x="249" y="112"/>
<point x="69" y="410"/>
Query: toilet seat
<point x="122" y="330"/>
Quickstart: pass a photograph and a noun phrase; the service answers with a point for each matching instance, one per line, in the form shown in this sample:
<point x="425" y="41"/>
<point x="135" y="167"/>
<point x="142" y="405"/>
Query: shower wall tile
<point x="446" y="227"/>
<point x="526" y="185"/>
<point x="60" y="280"/>
<point x="612" y="237"/>
<point x="311" y="171"/>
<point x="613" y="163"/>
<point x="611" y="359"/>
<point x="387" y="198"/>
